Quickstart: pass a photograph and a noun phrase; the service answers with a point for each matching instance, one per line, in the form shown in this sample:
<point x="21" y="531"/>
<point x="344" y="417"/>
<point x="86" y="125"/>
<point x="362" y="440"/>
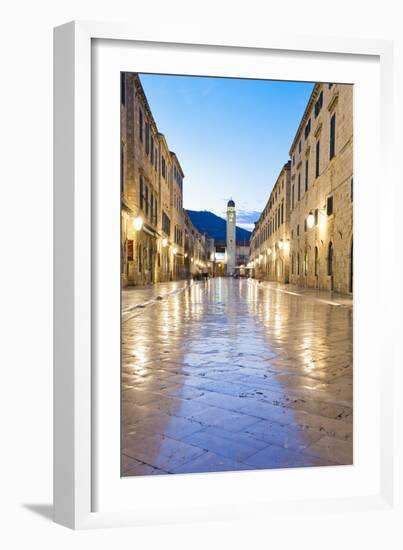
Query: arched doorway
<point x="330" y="264"/>
<point x="330" y="259"/>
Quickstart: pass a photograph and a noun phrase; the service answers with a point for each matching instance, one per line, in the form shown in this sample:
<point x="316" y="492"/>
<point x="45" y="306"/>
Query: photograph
<point x="236" y="273"/>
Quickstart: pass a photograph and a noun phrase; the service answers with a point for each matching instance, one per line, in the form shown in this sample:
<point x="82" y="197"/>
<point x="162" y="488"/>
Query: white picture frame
<point x="87" y="493"/>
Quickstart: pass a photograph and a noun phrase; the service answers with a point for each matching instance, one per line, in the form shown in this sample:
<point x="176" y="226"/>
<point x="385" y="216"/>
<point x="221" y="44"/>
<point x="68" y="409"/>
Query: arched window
<point x="330" y="259"/>
<point x="316" y="260"/>
<point x="305" y="262"/>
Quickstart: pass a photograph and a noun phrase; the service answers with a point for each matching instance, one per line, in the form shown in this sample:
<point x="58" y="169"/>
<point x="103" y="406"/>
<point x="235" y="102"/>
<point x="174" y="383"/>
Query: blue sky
<point x="232" y="136"/>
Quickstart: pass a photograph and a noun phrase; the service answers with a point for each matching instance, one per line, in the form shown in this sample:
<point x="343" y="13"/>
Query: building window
<point x="292" y="264"/>
<point x="299" y="146"/>
<point x="298" y="264"/>
<point x="329" y="206"/>
<point x="122" y="167"/>
<point x="292" y="195"/>
<point x="306" y="174"/>
<point x="141" y="125"/>
<point x="306" y="262"/>
<point x="317" y="159"/>
<point x="123" y="89"/>
<point x="332" y="135"/>
<point x="166" y="224"/>
<point x="163" y="167"/>
<point x="351" y="190"/>
<point x="316" y="260"/>
<point x="147" y="138"/>
<point x="146" y="200"/>
<point x="297" y="230"/>
<point x="330" y="85"/>
<point x="316" y="216"/>
<point x="305" y="225"/>
<point x="293" y="160"/>
<point x="152" y="150"/>
<point x="282" y="212"/>
<point x="330" y="259"/>
<point x="299" y="186"/>
<point x="307" y="129"/>
<point x="318" y="104"/>
<point x="141" y="193"/>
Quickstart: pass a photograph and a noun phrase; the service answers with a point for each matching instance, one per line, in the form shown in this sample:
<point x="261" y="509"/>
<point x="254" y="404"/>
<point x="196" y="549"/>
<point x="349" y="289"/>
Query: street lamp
<point x="138" y="223"/>
<point x="310" y="221"/>
<point x="164" y="242"/>
<point x="174" y="250"/>
<point x="280" y="244"/>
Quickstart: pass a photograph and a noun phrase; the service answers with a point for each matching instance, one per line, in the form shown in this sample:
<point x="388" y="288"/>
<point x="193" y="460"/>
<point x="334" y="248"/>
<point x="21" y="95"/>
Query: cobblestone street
<point x="233" y="374"/>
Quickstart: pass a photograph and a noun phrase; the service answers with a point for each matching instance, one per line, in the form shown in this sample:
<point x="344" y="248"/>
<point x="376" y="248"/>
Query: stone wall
<point x="321" y="236"/>
<point x="270" y="241"/>
<point x="149" y="187"/>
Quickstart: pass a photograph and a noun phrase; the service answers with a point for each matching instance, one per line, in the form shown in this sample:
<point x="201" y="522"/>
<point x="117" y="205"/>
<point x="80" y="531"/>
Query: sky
<point x="231" y="136"/>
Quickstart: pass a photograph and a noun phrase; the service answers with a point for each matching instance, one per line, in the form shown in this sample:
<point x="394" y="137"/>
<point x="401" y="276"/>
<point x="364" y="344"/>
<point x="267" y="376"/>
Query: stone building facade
<point x="270" y="240"/>
<point x="196" y="248"/>
<point x="152" y="214"/>
<point x="166" y="251"/>
<point x="312" y="244"/>
<point x="321" y="221"/>
<point x="177" y="218"/>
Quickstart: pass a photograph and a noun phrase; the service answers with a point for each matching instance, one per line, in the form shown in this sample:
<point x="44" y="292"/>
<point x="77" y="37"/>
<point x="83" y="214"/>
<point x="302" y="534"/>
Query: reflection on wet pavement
<point x="233" y="375"/>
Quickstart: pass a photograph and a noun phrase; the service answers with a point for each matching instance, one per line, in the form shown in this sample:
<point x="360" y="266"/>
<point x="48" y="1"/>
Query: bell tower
<point x="231" y="236"/>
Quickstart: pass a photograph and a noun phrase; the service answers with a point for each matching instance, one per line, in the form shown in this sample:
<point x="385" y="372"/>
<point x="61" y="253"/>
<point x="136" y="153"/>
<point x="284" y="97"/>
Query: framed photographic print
<point x="218" y="276"/>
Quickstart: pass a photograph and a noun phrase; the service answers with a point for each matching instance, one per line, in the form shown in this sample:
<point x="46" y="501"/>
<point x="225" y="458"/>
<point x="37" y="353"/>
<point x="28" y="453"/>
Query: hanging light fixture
<point x="310" y="221"/>
<point x="138" y="223"/>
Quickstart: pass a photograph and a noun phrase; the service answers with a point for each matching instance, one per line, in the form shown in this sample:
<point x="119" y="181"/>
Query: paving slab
<point x="236" y="446"/>
<point x="232" y="374"/>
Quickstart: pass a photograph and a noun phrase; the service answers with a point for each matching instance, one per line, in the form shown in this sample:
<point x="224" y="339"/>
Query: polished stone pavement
<point x="233" y="374"/>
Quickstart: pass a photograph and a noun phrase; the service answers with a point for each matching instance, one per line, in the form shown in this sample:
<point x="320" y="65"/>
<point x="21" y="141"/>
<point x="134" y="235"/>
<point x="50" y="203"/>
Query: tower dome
<point x="231" y="203"/>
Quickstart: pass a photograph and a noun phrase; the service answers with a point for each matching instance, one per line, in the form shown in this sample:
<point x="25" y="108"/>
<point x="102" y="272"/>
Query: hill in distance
<point x="214" y="226"/>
